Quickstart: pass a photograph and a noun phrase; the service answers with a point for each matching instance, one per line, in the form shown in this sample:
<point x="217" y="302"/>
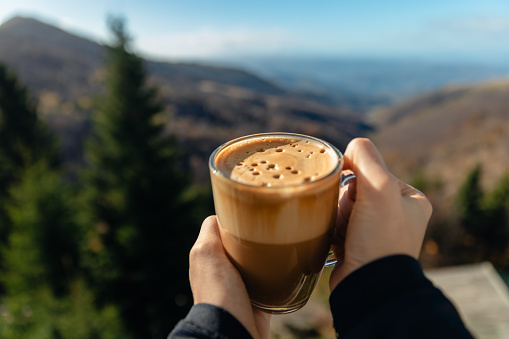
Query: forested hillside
<point x="203" y="106"/>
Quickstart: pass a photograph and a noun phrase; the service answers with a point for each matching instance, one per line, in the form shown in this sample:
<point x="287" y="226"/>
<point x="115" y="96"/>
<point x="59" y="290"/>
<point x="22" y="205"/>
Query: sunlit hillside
<point x="204" y="105"/>
<point x="446" y="133"/>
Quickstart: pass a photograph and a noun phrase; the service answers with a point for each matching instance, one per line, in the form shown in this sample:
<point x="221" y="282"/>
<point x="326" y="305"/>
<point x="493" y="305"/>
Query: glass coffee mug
<point x="276" y="199"/>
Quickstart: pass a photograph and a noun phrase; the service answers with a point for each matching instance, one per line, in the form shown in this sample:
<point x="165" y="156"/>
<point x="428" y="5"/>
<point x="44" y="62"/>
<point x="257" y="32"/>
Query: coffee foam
<point x="257" y="209"/>
<point x="276" y="161"/>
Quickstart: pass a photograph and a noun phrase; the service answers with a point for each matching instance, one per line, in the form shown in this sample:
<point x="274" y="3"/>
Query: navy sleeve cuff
<point x="391" y="298"/>
<point x="209" y="321"/>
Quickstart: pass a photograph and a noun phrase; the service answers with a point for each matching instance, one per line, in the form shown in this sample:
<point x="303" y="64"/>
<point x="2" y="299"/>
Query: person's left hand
<point x="214" y="280"/>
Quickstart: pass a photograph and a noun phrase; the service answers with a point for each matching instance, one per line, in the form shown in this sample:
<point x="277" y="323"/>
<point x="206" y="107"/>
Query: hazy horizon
<point x="466" y="31"/>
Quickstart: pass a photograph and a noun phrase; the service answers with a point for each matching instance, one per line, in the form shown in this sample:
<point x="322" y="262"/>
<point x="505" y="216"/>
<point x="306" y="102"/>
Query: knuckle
<point x="198" y="250"/>
<point x="386" y="186"/>
<point x="202" y="250"/>
<point x="428" y="207"/>
<point x="360" y="143"/>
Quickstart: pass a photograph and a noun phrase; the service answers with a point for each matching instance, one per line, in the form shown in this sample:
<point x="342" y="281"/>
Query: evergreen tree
<point x="42" y="246"/>
<point x="470" y="206"/>
<point x="45" y="294"/>
<point x="484" y="216"/>
<point x="23" y="140"/>
<point x="139" y="217"/>
<point x="496" y="206"/>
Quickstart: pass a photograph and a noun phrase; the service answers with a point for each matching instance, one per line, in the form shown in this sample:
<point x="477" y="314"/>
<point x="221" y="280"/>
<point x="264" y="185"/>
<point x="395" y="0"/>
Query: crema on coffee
<point x="274" y="161"/>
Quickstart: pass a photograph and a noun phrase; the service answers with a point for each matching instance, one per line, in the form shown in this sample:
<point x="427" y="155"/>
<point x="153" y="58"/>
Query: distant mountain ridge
<point x="26" y="43"/>
<point x="204" y="105"/>
<point x="368" y="82"/>
<point x="45" y="57"/>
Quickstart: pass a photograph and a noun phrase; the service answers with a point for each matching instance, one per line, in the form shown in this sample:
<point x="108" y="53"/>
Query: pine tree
<point x="42" y="245"/>
<point x="24" y="140"/>
<point x="484" y="216"/>
<point x="470" y="206"/>
<point x="46" y="296"/>
<point x="496" y="206"/>
<point x="139" y="221"/>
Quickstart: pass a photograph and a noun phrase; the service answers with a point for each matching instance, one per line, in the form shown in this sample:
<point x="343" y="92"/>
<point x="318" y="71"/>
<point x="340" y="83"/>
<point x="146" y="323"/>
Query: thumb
<point x="209" y="234"/>
<point x="207" y="250"/>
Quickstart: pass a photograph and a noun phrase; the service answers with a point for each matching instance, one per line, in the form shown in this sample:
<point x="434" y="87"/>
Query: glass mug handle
<point x="331" y="259"/>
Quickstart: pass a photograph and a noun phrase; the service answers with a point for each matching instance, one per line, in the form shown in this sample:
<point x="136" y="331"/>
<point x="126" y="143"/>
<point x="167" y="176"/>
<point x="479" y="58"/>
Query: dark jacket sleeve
<point x="391" y="298"/>
<point x="209" y="321"/>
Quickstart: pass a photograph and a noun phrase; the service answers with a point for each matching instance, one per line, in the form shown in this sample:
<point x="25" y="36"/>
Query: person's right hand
<point x="379" y="215"/>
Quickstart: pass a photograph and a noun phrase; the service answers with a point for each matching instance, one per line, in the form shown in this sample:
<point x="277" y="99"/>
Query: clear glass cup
<point x="277" y="234"/>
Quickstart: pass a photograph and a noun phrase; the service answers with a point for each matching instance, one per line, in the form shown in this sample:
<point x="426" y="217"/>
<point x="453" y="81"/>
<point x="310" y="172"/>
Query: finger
<point x="262" y="322"/>
<point x="345" y="207"/>
<point x="362" y="153"/>
<point x="339" y="253"/>
<point x="348" y="194"/>
<point x="364" y="159"/>
<point x="352" y="189"/>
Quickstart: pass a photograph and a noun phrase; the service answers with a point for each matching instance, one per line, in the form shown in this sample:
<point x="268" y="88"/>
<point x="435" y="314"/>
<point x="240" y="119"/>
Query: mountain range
<point x="447" y="133"/>
<point x="367" y="82"/>
<point x="442" y="133"/>
<point x="204" y="105"/>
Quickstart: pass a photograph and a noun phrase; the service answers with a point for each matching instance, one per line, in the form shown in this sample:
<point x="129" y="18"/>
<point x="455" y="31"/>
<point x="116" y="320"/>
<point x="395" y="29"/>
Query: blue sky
<point x="215" y="28"/>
